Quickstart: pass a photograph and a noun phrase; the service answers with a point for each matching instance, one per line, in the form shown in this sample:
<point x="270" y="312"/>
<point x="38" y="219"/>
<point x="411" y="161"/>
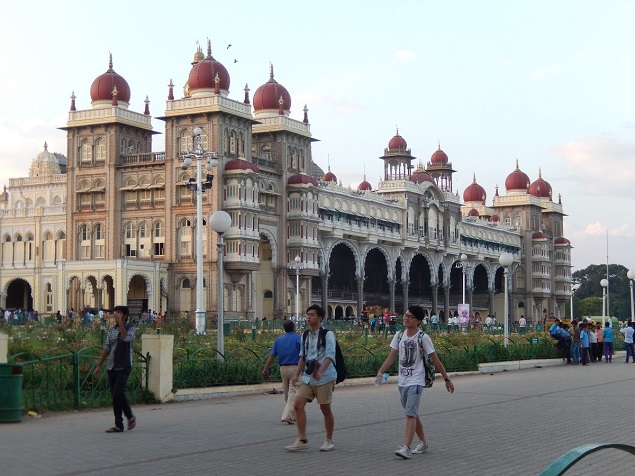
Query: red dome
<point x="473" y="213"/>
<point x="439" y="157"/>
<point x="540" y="188"/>
<point x="517" y="180"/>
<point x="397" y="142"/>
<point x="494" y="218"/>
<point x="365" y="186"/>
<point x="421" y="176"/>
<point x="561" y="241"/>
<point x="539" y="235"/>
<point x="474" y="192"/>
<point x="102" y="87"/>
<point x="203" y="74"/>
<point x="329" y="176"/>
<point x="300" y="179"/>
<point x="268" y="95"/>
<point x="241" y="164"/>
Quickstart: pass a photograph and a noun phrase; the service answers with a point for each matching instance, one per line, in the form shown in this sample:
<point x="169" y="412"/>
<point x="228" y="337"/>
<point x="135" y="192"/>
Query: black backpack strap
<point x="304" y="345"/>
<point x="322" y="337"/>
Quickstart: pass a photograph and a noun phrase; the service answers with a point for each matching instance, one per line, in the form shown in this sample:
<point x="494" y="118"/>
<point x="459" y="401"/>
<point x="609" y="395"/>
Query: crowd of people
<point x="585" y="341"/>
<point x="18" y="316"/>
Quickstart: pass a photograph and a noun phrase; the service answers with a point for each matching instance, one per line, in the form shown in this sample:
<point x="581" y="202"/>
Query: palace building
<point x="112" y="222"/>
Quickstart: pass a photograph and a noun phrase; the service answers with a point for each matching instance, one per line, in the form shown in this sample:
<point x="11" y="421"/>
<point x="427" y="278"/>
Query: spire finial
<point x="246" y="101"/>
<point x="73" y="101"/>
<point x="147" y="109"/>
<point x="306" y="115"/>
<point x="110" y="70"/>
<point x="171" y="91"/>
<point x="46" y="146"/>
<point x="474" y="177"/>
<point x="439" y="144"/>
<point x="270" y="71"/>
<point x="209" y="48"/>
<point x="517" y="168"/>
<point x="397" y="128"/>
<point x="539" y="172"/>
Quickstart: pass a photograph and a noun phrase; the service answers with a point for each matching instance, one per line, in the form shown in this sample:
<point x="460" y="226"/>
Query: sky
<point x="546" y="82"/>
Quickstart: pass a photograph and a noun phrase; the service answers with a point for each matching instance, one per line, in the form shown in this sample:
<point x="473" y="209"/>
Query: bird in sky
<point x="228" y="45"/>
<point x="235" y="61"/>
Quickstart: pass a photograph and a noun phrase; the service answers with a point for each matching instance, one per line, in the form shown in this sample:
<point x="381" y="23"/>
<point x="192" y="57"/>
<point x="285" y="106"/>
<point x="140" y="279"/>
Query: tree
<point x="587" y="283"/>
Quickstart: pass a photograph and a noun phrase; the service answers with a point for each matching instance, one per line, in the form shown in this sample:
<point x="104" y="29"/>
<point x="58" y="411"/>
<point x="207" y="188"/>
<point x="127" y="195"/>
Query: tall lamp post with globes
<point x="506" y="260"/>
<point x="197" y="185"/>
<point x="631" y="276"/>
<point x="220" y="221"/>
<point x="463" y="265"/>
<point x="604" y="283"/>
<point x="297" y="262"/>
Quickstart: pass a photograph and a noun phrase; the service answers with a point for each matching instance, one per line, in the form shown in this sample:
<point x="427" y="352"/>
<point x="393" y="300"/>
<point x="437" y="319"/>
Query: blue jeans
<point x="629" y="351"/>
<point x="576" y="352"/>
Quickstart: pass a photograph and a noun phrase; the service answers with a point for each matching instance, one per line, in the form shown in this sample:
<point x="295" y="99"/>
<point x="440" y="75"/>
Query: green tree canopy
<point x="587" y="285"/>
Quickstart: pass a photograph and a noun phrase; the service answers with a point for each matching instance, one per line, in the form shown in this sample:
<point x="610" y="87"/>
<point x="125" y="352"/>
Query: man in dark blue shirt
<point x="287" y="349"/>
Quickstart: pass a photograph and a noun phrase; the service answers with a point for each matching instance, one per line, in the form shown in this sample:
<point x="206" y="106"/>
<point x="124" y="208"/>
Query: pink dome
<point x="539" y="235"/>
<point x="301" y="179"/>
<point x="397" y="142"/>
<point x="365" y="186"/>
<point x="241" y="164"/>
<point x="203" y="74"/>
<point x="102" y="87"/>
<point x="329" y="177"/>
<point x="494" y="218"/>
<point x="420" y="175"/>
<point x="268" y="95"/>
<point x="473" y="213"/>
<point x="561" y="241"/>
<point x="439" y="157"/>
<point x="517" y="180"/>
<point x="540" y="187"/>
<point x="474" y="192"/>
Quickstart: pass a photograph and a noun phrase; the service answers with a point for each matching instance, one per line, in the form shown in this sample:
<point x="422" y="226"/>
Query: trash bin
<point x="10" y="393"/>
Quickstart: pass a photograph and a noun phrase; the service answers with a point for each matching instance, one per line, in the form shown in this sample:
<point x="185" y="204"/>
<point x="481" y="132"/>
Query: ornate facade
<point x="113" y="222"/>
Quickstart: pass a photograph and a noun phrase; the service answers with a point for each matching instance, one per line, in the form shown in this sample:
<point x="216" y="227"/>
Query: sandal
<point x="114" y="429"/>
<point x="132" y="422"/>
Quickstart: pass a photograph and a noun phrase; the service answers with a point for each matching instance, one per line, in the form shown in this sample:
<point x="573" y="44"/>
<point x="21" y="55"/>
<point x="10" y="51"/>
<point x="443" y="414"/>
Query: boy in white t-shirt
<point x="412" y="375"/>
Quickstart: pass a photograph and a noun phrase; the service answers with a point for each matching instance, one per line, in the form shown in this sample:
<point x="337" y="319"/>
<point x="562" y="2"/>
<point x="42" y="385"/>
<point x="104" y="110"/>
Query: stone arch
<point x="348" y="244"/>
<point x="389" y="260"/>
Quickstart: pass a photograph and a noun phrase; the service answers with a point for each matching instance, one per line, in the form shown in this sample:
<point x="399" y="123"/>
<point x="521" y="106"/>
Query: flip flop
<point x="114" y="429"/>
<point x="132" y="422"/>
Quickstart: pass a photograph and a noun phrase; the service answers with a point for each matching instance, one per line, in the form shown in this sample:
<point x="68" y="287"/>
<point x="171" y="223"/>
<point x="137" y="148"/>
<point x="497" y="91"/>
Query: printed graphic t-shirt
<point x="411" y="370"/>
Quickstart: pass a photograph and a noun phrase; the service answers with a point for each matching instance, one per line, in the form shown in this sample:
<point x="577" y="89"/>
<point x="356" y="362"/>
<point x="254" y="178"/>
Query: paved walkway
<point x="499" y="424"/>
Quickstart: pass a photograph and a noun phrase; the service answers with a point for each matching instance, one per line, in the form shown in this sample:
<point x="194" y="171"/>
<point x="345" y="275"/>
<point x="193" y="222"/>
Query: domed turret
<point x="241" y="164"/>
<point x="420" y="176"/>
<point x="397" y="143"/>
<point x="439" y="157"/>
<point x="329" y="176"/>
<point x="561" y="241"/>
<point x="106" y="86"/>
<point x="517" y="180"/>
<point x="473" y="213"/>
<point x="301" y="179"/>
<point x="540" y="187"/>
<point x="365" y="185"/>
<point x="269" y="95"/>
<point x="208" y="76"/>
<point x="474" y="192"/>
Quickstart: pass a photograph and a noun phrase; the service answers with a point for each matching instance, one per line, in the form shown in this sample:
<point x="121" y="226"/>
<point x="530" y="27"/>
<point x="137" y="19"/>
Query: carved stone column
<point x="325" y="286"/>
<point x="406" y="301"/>
<point x="446" y="301"/>
<point x="360" y="293"/>
<point x="391" y="294"/>
<point x="435" y="290"/>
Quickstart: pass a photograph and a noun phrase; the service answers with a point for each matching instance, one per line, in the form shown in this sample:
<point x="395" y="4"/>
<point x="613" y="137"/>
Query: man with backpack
<point x="413" y="346"/>
<point x="316" y="368"/>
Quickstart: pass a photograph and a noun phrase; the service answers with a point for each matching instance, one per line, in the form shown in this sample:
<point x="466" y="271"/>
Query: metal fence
<point x="62" y="379"/>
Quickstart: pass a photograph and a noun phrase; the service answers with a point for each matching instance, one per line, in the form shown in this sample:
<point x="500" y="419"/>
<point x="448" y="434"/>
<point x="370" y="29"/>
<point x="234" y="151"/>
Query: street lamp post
<point x="604" y="283"/>
<point x="297" y="287"/>
<point x="463" y="264"/>
<point x="199" y="154"/>
<point x="631" y="276"/>
<point x="506" y="261"/>
<point x="220" y="221"/>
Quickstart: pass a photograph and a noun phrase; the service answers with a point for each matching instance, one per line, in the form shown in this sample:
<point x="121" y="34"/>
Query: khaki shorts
<point x="322" y="393"/>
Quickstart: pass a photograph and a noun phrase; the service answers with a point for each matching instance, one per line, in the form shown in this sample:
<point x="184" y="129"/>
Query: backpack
<point x="340" y="365"/>
<point x="428" y="365"/>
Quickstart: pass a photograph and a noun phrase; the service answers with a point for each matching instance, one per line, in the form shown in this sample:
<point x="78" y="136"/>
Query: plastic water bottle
<point x="381" y="380"/>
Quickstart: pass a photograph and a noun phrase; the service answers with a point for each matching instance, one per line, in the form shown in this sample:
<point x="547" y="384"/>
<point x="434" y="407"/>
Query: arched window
<point x="87" y="153"/>
<point x="100" y="151"/>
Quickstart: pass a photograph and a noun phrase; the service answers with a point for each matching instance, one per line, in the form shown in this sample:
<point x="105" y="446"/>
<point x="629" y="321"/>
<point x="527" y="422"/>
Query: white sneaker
<point x="403" y="452"/>
<point x="298" y="445"/>
<point x="421" y="448"/>
<point x="327" y="446"/>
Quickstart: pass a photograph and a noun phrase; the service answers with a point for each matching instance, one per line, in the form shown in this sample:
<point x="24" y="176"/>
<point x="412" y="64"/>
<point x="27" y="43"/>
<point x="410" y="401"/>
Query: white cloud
<point x="405" y="55"/>
<point x="506" y="62"/>
<point x="600" y="167"/>
<point x="553" y="70"/>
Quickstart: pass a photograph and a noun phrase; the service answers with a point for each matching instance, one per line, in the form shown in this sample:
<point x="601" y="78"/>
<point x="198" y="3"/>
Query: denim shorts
<point x="410" y="397"/>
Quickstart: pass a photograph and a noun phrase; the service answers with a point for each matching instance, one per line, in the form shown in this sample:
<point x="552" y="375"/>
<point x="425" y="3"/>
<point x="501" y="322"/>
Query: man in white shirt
<point x="522" y="324"/>
<point x="628" y="332"/>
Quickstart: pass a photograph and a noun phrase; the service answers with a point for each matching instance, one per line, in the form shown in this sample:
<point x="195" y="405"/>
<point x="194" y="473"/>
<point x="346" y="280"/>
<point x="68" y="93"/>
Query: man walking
<point x="118" y="350"/>
<point x="412" y="345"/>
<point x="316" y="366"/>
<point x="287" y="349"/>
